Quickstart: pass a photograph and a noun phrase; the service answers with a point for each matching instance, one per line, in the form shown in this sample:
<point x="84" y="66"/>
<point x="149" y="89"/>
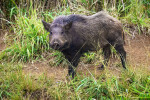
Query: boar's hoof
<point x="101" y="68"/>
<point x="69" y="77"/>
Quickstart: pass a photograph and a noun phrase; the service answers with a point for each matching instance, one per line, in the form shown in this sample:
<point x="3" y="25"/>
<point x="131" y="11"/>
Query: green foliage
<point x="30" y="39"/>
<point x="95" y="5"/>
<point x="136" y="12"/>
<point x="142" y="89"/>
<point x="15" y="85"/>
<point x="104" y="88"/>
<point x="93" y="89"/>
<point x="58" y="58"/>
<point x="138" y="16"/>
<point x="90" y="56"/>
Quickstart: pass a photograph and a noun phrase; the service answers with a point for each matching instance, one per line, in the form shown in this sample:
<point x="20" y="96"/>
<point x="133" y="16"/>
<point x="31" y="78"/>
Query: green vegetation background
<point x="27" y="41"/>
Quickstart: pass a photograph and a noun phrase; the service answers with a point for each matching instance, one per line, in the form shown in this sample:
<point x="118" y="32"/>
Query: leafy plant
<point x="89" y="57"/>
<point x="142" y="89"/>
<point x="30" y="39"/>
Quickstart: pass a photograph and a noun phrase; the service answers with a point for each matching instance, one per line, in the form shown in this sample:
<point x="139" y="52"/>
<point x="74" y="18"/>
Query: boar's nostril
<point x="56" y="45"/>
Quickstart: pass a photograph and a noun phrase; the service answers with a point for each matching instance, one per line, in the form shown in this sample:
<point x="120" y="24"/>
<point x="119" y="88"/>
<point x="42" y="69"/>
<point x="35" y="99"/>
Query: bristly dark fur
<point x="67" y="19"/>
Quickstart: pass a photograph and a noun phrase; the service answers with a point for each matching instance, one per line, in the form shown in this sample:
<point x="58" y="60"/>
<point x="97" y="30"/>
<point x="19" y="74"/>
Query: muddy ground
<point x="138" y="57"/>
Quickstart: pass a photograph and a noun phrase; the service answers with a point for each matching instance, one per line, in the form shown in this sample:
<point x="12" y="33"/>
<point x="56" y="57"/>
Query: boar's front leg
<point x="107" y="53"/>
<point x="73" y="63"/>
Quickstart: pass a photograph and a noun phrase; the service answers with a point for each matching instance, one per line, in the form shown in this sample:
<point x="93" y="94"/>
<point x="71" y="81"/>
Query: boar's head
<point x="59" y="37"/>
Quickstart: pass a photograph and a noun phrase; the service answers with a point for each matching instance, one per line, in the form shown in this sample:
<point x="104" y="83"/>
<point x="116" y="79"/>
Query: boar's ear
<point x="46" y="25"/>
<point x="68" y="26"/>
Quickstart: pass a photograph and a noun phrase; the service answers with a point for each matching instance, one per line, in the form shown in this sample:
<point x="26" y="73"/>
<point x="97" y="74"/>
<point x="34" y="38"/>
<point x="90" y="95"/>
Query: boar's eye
<point x="62" y="32"/>
<point x="50" y="33"/>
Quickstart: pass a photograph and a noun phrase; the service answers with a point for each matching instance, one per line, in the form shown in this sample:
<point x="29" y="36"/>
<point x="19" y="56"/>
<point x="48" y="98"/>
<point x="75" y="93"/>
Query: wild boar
<point x="75" y="34"/>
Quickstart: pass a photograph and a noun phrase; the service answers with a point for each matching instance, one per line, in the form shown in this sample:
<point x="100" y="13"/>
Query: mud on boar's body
<point x="74" y="35"/>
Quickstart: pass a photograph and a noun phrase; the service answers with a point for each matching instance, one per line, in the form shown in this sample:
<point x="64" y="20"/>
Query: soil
<point x="138" y="57"/>
<point x="138" y="50"/>
<point x="2" y="44"/>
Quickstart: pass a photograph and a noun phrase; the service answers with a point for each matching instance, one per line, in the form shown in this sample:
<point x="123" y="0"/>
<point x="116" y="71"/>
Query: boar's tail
<point x="123" y="36"/>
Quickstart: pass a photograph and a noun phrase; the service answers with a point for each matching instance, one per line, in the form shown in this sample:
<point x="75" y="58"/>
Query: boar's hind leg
<point x="122" y="53"/>
<point x="107" y="53"/>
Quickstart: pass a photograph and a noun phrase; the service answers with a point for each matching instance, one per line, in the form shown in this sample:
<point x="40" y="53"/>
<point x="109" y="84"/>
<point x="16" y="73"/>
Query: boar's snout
<point x="56" y="44"/>
<point x="59" y="44"/>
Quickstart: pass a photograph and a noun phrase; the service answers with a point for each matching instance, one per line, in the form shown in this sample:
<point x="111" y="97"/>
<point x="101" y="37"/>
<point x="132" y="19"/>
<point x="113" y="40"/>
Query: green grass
<point x="139" y="16"/>
<point x="15" y="85"/>
<point x="28" y="41"/>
